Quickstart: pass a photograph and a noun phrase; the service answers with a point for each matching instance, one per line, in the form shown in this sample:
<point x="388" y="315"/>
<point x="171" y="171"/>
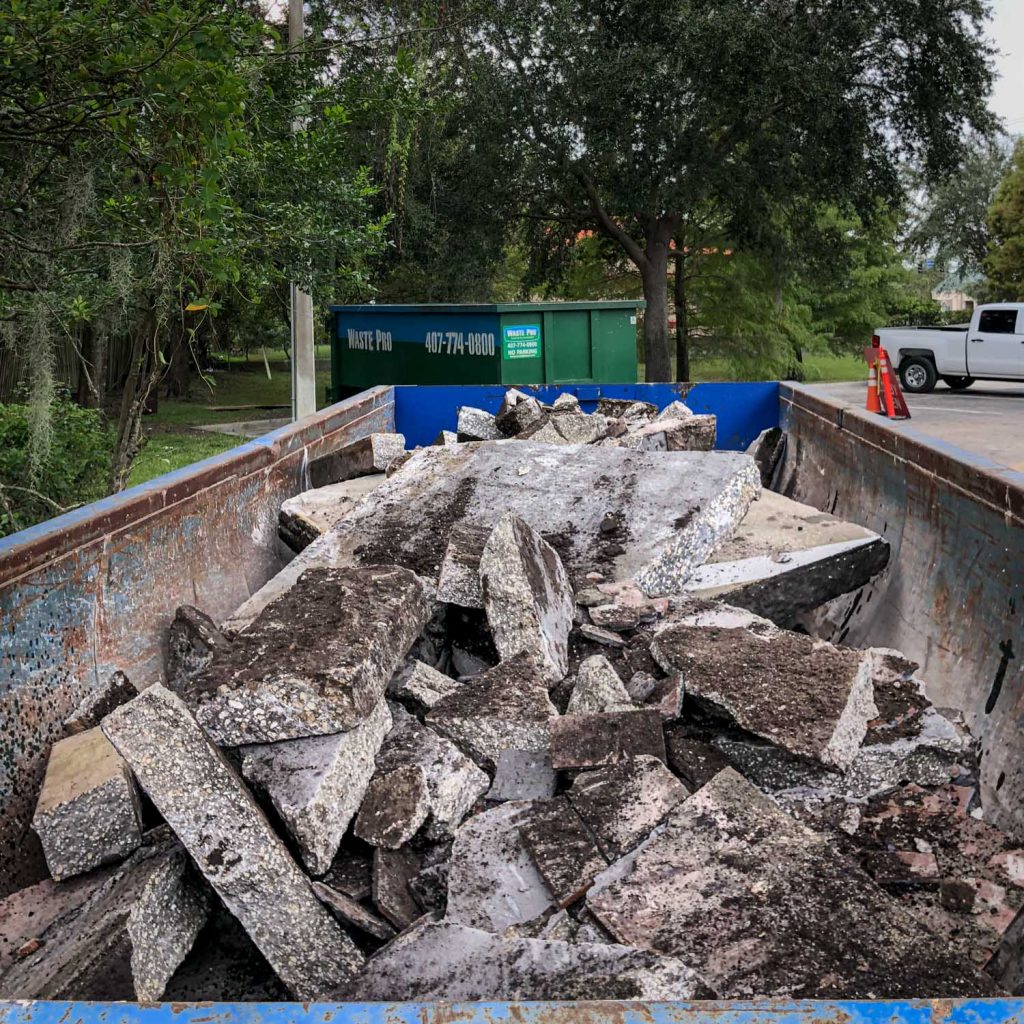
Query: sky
<point x="1007" y="32"/>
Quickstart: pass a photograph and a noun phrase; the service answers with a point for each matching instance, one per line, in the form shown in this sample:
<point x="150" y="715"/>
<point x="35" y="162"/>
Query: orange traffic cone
<point x="873" y="405"/>
<point x="895" y="404"/>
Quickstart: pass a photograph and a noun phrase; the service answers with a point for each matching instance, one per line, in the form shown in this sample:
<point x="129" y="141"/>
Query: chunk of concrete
<point x="446" y="437"/>
<point x="673" y="434"/>
<point x="528" y="597"/>
<point x="231" y="842"/>
<point x="621" y="805"/>
<point x="88" y="809"/>
<point x="459" y="582"/>
<point x="605" y="637"/>
<point x="352" y="874"/>
<point x="352" y="913"/>
<point x="785" y="559"/>
<point x="317" y="660"/>
<point x="518" y="412"/>
<point x="598" y="688"/>
<point x="392" y="872"/>
<point x="395" y="806"/>
<point x="317" y="784"/>
<point x="504" y="708"/>
<point x="421" y="685"/>
<point x="758" y="905"/>
<point x="312" y="513"/>
<point x="477" y="425"/>
<point x="766" y="450"/>
<point x="193" y="641"/>
<point x="492" y="880"/>
<point x="368" y="455"/>
<point x="565" y="402"/>
<point x="447" y="961"/>
<point x="578" y="428"/>
<point x="598" y="739"/>
<point x="117" y="690"/>
<point x="695" y="761"/>
<point x="522" y="775"/>
<point x="804" y="695"/>
<point x="124" y="941"/>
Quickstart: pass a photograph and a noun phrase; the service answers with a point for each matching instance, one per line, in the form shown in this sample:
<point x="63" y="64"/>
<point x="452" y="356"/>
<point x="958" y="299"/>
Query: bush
<point x="73" y="472"/>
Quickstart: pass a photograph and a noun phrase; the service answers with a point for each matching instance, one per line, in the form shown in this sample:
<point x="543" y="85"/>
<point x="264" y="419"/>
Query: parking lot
<point x="987" y="419"/>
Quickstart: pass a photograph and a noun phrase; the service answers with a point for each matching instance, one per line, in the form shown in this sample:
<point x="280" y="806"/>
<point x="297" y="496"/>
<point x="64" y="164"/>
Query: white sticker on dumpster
<point x="521" y="341"/>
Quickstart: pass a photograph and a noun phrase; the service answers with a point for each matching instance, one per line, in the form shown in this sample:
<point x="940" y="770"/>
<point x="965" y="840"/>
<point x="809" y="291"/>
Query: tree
<point x="1005" y="262"/>
<point x="631" y="117"/>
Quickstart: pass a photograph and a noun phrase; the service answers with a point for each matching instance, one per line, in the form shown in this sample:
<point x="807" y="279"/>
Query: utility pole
<point x="303" y="350"/>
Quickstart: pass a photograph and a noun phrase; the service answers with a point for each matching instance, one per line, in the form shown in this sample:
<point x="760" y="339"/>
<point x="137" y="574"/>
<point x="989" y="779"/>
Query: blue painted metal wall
<point x="743" y="410"/>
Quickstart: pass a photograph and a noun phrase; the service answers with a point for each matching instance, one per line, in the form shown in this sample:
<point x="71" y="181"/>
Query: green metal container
<point x="507" y="343"/>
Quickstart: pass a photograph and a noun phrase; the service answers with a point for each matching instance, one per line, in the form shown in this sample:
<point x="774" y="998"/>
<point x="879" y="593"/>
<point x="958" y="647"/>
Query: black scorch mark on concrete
<point x="1006" y="648"/>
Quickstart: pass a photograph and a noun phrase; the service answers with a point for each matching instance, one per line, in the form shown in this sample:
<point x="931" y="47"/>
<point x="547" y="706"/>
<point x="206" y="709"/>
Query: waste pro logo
<point x="521" y="341"/>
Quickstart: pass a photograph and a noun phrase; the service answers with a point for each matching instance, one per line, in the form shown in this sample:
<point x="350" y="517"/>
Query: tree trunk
<point x="654" y="274"/>
<point x="682" y="322"/>
<point x="143" y="374"/>
<point x="179" y="363"/>
<point x="100" y="350"/>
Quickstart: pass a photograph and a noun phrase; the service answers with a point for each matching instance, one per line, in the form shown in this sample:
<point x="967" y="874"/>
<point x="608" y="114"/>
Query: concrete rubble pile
<point x="525" y="717"/>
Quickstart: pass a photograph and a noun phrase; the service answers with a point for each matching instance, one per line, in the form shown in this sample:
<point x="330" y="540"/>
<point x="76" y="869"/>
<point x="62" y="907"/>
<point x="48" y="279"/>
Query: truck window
<point x="998" y="321"/>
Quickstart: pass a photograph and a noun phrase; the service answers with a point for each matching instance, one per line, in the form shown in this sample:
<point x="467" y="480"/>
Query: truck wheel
<point x="958" y="383"/>
<point x="918" y="374"/>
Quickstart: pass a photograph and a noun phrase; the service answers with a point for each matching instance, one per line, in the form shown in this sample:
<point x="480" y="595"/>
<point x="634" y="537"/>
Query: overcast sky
<point x="1007" y="31"/>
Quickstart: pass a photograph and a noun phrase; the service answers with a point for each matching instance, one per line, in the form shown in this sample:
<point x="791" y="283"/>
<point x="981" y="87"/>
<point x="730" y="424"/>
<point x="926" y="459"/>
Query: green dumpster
<point x="506" y="343"/>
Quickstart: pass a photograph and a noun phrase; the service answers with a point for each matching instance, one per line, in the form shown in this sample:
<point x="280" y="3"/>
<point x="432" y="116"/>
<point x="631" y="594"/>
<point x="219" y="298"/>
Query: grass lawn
<point x="168" y="450"/>
<point x="818" y="367"/>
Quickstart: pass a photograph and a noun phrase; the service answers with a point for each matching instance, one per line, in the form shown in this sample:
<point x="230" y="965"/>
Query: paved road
<point x="987" y="419"/>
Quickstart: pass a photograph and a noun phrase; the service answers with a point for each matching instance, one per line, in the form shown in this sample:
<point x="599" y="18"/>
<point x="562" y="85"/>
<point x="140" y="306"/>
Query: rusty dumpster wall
<point x="952" y="597"/>
<point x="94" y="590"/>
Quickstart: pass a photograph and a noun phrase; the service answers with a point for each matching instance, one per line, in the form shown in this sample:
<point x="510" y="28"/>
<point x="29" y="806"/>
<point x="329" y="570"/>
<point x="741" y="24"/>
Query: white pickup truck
<point x="991" y="347"/>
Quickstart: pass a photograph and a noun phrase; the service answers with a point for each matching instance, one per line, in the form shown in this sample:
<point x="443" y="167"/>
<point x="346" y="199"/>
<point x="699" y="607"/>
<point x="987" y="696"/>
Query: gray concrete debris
<point x="492" y="881"/>
<point x="421" y="685"/>
<point x="519" y="412"/>
<point x="522" y="775"/>
<point x="1006" y="965"/>
<point x="446" y="437"/>
<point x="368" y="455"/>
<point x="542" y="432"/>
<point x="598" y="688"/>
<point x="565" y="401"/>
<point x="312" y="513"/>
<point x="576" y="427"/>
<point x="88" y="809"/>
<point x="392" y="872"/>
<point x="505" y="708"/>
<point x="691" y="434"/>
<point x="527" y="596"/>
<point x="443" y="960"/>
<point x="623" y="606"/>
<point x="622" y="804"/>
<point x="193" y="641"/>
<point x="430" y="888"/>
<point x="595" y="740"/>
<point x="352" y="874"/>
<point x="232" y="843"/>
<point x="395" y="806"/>
<point x="640" y="686"/>
<point x="607" y="637"/>
<point x="627" y="409"/>
<point x="468" y="664"/>
<point x="477" y="425"/>
<point x="317" y="660"/>
<point x="695" y="761"/>
<point x="459" y="580"/>
<point x="667" y="697"/>
<point x="124" y="941"/>
<point x="675" y="411"/>
<point x="352" y="913"/>
<point x="673" y="509"/>
<point x="806" y="696"/>
<point x="117" y="690"/>
<point x="766" y="450"/>
<point x="396" y="464"/>
<point x="317" y="784"/>
<point x="729" y="865"/>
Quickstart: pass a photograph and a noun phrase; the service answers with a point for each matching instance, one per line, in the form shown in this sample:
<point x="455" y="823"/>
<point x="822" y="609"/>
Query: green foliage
<point x="1005" y="263"/>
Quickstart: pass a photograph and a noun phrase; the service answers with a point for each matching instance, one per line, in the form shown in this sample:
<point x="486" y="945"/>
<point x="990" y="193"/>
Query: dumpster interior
<point x="537" y="711"/>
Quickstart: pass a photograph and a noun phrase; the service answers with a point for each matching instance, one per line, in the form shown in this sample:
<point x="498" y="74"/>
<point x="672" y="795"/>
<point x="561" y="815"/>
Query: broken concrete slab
<point x="766" y="450"/>
<point x="527" y="596"/>
<point x="627" y="409"/>
<point x="606" y="637"/>
<point x="309" y="515"/>
<point x="421" y="685"/>
<point x="396" y="804"/>
<point x="518" y="412"/>
<point x="810" y="698"/>
<point x="124" y="941"/>
<point x="695" y="761"/>
<point x="446" y="437"/>
<point x="477" y="425"/>
<point x="368" y="455"/>
<point x="392" y="872"/>
<point x="316" y="661"/>
<point x="232" y="843"/>
<point x="598" y="688"/>
<point x="598" y="739"/>
<point x="317" y="784"/>
<point x="352" y="913"/>
<point x="566" y="401"/>
<point x="760" y="906"/>
<point x="459" y="581"/>
<point x="522" y="775"/>
<point x="442" y="960"/>
<point x="352" y="874"/>
<point x="504" y="708"/>
<point x="674" y="508"/>
<point x="430" y="888"/>
<point x="492" y="880"/>
<point x="577" y="427"/>
<point x="193" y="641"/>
<point x="785" y="559"/>
<point x="623" y="803"/>
<point x="675" y="434"/>
<point x="117" y="690"/>
<point x="88" y="809"/>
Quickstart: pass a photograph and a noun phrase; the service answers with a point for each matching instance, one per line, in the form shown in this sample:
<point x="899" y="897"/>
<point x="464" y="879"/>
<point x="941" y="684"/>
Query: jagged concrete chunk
<point x="528" y="596"/>
<point x="598" y="688"/>
<point x="606" y="637"/>
<point x="694" y="761"/>
<point x="232" y="843"/>
<point x="117" y="690"/>
<point x="124" y="941"/>
<point x="804" y="695"/>
<point x="594" y="740"/>
<point x="316" y="661"/>
<point x="312" y="513"/>
<point x="492" y="881"/>
<point x="193" y="641"/>
<point x="577" y="427"/>
<point x="422" y="685"/>
<point x="766" y="450"/>
<point x="504" y="708"/>
<point x="459" y="582"/>
<point x="690" y="434"/>
<point x="393" y="870"/>
<point x="522" y="775"/>
<point x="758" y="905"/>
<point x="446" y="437"/>
<point x="88" y="809"/>
<point x="565" y="401"/>
<point x="477" y="425"/>
<point x="317" y="784"/>
<point x="395" y="806"/>
<point x="352" y="874"/>
<point x="622" y="804"/>
<point x="442" y="960"/>
<point x="371" y="454"/>
<point x="349" y="912"/>
<point x="513" y="418"/>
